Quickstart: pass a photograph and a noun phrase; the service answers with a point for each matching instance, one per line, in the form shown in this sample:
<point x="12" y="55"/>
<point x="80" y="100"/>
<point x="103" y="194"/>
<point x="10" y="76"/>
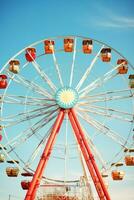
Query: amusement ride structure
<point x="67" y="118"/>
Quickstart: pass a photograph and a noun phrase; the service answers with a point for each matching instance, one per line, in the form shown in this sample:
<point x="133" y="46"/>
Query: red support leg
<point x="83" y="143"/>
<point x="31" y="193"/>
<point x="87" y="159"/>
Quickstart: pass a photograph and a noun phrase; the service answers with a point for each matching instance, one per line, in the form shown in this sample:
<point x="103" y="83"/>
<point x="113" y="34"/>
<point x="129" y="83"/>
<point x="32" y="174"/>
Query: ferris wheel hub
<point x="66" y="97"/>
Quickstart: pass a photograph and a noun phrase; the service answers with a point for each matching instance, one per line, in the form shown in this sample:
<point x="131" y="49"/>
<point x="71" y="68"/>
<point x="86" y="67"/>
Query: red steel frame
<point x="85" y="149"/>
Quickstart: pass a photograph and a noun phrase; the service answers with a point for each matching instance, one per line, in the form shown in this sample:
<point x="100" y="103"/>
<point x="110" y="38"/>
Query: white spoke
<point x="32" y="98"/>
<point x="37" y="150"/>
<point x="29" y="84"/>
<point x="86" y="74"/>
<point x="101" y="99"/>
<point x="44" y="76"/>
<point x="72" y="67"/>
<point x="57" y="69"/>
<point x="29" y="117"/>
<point x="95" y="150"/>
<point x="25" y="135"/>
<point x="111" y="110"/>
<point x="104" y="129"/>
<point x="106" y="93"/>
<point x="99" y="82"/>
<point x="105" y="114"/>
<point x="27" y="113"/>
<point x="9" y="99"/>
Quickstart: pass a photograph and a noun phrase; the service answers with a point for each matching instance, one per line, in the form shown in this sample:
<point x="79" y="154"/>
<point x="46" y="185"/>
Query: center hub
<point x="66" y="97"/>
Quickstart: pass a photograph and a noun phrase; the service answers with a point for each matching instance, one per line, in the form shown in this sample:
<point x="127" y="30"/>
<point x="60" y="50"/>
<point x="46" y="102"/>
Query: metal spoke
<point x="33" y="116"/>
<point x="99" y="81"/>
<point x="34" y="129"/>
<point x="95" y="150"/>
<point x="29" y="84"/>
<point x="57" y="69"/>
<point x="106" y="93"/>
<point x="105" y="114"/>
<point x="72" y="67"/>
<point x="111" y="110"/>
<point x="44" y="76"/>
<point x="27" y="112"/>
<point x="87" y="72"/>
<point x="104" y="129"/>
<point x="36" y="151"/>
<point x="101" y="99"/>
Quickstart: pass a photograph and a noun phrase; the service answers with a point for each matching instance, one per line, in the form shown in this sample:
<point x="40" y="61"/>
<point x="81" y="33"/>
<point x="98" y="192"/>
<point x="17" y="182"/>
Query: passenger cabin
<point x="118" y="174"/>
<point x="106" y="54"/>
<point x="13" y="161"/>
<point x="68" y="44"/>
<point x="129" y="158"/>
<point x="49" y="46"/>
<point x="25" y="184"/>
<point x="104" y="175"/>
<point x="14" y="66"/>
<point x="0" y="137"/>
<point x="3" y="81"/>
<point x="131" y="81"/>
<point x="1" y="128"/>
<point x="30" y="54"/>
<point x="12" y="171"/>
<point x="2" y="157"/>
<point x="27" y="174"/>
<point x="87" y="46"/>
<point x="123" y="68"/>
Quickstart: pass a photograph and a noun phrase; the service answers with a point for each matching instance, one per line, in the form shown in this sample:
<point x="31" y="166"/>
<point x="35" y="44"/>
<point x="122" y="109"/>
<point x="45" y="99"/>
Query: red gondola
<point x="25" y="185"/>
<point x="3" y="81"/>
<point x="26" y="174"/>
<point x="30" y="54"/>
<point x="0" y="137"/>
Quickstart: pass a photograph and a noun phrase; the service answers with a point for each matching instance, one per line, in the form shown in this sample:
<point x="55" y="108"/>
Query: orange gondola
<point x="131" y="81"/>
<point x="87" y="46"/>
<point x="49" y="46"/>
<point x="68" y="44"/>
<point x="30" y="54"/>
<point x="129" y="159"/>
<point x="2" y="157"/>
<point x="123" y="68"/>
<point x="117" y="174"/>
<point x="12" y="171"/>
<point x="106" y="54"/>
<point x="14" y="66"/>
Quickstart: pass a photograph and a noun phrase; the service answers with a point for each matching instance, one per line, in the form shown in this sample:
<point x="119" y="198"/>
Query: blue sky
<point x="24" y="22"/>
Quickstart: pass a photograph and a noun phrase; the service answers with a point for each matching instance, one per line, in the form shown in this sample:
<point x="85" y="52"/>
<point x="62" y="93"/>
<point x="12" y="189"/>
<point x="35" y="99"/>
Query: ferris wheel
<point x="67" y="105"/>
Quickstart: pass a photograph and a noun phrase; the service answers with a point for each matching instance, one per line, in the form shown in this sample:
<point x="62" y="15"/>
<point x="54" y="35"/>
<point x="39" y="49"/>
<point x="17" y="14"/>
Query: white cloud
<point x="114" y="21"/>
<point x="106" y="17"/>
